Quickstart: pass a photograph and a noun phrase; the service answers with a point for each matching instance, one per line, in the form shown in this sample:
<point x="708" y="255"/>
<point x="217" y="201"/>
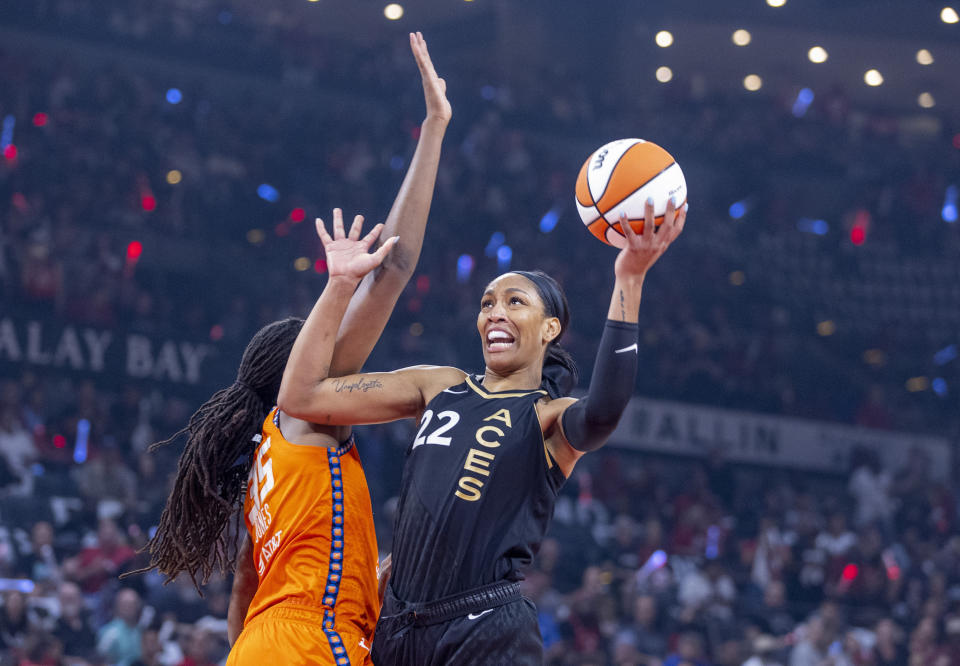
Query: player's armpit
<point x="372" y="397"/>
<point x="245" y="584"/>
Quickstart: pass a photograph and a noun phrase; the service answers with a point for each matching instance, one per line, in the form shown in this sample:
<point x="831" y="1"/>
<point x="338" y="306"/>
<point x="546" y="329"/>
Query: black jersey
<point x="477" y="495"/>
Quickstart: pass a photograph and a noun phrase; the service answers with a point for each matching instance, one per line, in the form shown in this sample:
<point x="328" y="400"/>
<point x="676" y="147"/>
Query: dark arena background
<point x="782" y="488"/>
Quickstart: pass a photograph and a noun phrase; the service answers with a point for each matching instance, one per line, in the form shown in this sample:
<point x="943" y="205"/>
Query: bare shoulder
<point x="550" y="410"/>
<point x="434" y="378"/>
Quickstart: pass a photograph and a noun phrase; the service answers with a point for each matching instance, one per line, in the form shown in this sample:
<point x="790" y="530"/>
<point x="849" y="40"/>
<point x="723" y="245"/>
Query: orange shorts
<point x="290" y="634"/>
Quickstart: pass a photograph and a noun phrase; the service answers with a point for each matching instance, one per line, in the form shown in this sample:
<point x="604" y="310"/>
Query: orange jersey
<point x="310" y="520"/>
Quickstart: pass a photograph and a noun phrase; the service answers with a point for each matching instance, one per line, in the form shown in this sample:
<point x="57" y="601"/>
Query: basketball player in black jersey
<point x="491" y="452"/>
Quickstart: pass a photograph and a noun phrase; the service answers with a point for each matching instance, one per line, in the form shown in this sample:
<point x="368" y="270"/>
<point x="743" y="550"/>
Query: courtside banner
<point x="680" y="429"/>
<point x="112" y="353"/>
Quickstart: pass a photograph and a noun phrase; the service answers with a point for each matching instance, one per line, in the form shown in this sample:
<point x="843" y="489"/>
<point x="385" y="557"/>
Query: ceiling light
<point x="752" y="82"/>
<point x="924" y="57"/>
<point x="873" y="78"/>
<point x="664" y="39"/>
<point x="926" y="100"/>
<point x="818" y="54"/>
<point x="393" y="11"/>
<point x="664" y="74"/>
<point x="741" y="37"/>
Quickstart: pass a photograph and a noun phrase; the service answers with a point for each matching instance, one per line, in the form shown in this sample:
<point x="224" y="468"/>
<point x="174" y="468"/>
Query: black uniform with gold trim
<point x="476" y="499"/>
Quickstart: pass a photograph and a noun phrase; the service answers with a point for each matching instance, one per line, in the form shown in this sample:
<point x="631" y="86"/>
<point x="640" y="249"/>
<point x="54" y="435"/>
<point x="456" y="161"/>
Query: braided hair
<point x="202" y="519"/>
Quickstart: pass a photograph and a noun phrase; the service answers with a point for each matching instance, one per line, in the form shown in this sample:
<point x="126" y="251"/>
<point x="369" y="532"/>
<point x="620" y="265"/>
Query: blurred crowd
<point x="213" y="187"/>
<point x="650" y="560"/>
<point x="665" y="561"/>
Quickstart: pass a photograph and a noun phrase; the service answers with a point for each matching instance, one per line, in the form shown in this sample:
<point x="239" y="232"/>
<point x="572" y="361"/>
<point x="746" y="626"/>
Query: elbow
<point x="605" y="419"/>
<point x="292" y="402"/>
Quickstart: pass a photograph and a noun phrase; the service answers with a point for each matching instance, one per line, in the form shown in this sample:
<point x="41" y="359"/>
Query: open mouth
<point x="499" y="340"/>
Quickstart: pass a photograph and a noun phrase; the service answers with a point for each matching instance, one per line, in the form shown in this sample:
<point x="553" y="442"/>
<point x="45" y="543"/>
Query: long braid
<point x="201" y="521"/>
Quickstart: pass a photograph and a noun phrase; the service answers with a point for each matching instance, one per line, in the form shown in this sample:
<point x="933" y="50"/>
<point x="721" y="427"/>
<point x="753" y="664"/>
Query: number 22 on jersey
<point x="447" y="419"/>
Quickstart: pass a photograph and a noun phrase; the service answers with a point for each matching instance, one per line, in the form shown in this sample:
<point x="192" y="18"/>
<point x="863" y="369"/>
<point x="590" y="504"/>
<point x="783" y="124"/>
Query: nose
<point x="496" y="313"/>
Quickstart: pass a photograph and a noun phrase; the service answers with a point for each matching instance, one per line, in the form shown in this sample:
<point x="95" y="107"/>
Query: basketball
<point x="619" y="177"/>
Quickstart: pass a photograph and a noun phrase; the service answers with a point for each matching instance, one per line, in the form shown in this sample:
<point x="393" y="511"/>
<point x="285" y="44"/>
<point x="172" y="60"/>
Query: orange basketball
<point x="620" y="177"/>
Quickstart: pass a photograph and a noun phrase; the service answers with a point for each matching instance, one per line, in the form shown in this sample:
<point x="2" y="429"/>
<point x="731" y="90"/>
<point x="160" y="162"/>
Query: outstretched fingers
<point x="322" y="233"/>
<point x="420" y="53"/>
<point x="338" y="232"/>
<point x="371" y="237"/>
<point x="356" y="227"/>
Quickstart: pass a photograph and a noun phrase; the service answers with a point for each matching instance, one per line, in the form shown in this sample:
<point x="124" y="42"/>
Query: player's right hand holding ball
<point x="642" y="250"/>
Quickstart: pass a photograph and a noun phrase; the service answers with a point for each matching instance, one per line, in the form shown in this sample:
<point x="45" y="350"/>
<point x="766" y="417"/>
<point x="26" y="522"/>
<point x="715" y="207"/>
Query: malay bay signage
<point x="121" y="354"/>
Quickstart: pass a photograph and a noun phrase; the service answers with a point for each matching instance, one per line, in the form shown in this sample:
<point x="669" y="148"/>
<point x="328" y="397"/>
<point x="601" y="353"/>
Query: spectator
<point x="40" y="562"/>
<point x="646" y="633"/>
<point x="17" y="452"/>
<point x="119" y="640"/>
<point x="95" y="565"/>
<point x="812" y="648"/>
<point x="73" y="627"/>
<point x="150" y="649"/>
<point x="764" y="648"/>
<point x="14" y="622"/>
<point x="870" y="487"/>
<point x="689" y="651"/>
<point x="888" y="650"/>
<point x="107" y="482"/>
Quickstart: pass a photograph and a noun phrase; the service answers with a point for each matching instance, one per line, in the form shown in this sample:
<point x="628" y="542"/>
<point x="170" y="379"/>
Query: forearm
<point x="589" y="422"/>
<point x="370" y="310"/>
<point x="408" y="215"/>
<point x="240" y="600"/>
<point x="312" y="352"/>
<point x="242" y="594"/>
<point x="625" y="300"/>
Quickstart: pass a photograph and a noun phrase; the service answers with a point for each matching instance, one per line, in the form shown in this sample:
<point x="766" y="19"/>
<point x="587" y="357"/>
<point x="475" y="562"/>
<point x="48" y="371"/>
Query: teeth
<point x="499" y="335"/>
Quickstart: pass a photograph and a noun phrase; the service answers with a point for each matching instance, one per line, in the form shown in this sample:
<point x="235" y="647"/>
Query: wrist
<point x="632" y="281"/>
<point x="343" y="283"/>
<point x="435" y="122"/>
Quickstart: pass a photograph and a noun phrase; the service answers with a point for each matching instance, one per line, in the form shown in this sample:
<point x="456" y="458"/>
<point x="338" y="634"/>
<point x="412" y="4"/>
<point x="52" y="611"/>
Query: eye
<point x="516" y="300"/>
<point x="486" y="303"/>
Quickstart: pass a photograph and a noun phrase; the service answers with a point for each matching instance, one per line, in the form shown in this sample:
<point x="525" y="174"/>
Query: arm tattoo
<point x="623" y="311"/>
<point x="361" y="384"/>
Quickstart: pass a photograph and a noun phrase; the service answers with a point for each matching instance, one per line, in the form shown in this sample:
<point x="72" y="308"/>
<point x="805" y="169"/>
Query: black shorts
<point x="507" y="634"/>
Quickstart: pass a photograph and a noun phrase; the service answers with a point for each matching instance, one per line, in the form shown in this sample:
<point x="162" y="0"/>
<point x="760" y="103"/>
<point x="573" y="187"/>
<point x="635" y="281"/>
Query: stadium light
<point x="817" y="54"/>
<point x="949" y="15"/>
<point x="741" y="37"/>
<point x="873" y="78"/>
<point x="926" y="100"/>
<point x="664" y="39"/>
<point x="393" y="11"/>
<point x="924" y="57"/>
<point x="752" y="82"/>
<point x="664" y="74"/>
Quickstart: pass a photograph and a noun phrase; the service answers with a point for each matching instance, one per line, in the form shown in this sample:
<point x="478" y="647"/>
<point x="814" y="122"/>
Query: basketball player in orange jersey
<point x="305" y="585"/>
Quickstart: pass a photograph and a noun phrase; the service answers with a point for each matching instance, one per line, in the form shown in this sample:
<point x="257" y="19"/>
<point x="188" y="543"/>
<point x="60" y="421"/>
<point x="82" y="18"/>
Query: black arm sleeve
<point x="588" y="422"/>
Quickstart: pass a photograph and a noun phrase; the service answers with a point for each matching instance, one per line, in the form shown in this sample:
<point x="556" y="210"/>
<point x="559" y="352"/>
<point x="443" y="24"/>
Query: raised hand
<point x="642" y="250"/>
<point x="434" y="88"/>
<point x="349" y="256"/>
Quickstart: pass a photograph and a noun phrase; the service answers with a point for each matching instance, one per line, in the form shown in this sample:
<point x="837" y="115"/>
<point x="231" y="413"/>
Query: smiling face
<point x="513" y="325"/>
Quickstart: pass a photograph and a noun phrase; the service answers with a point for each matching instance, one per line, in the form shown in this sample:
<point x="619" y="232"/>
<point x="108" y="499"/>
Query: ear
<point x="551" y="329"/>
